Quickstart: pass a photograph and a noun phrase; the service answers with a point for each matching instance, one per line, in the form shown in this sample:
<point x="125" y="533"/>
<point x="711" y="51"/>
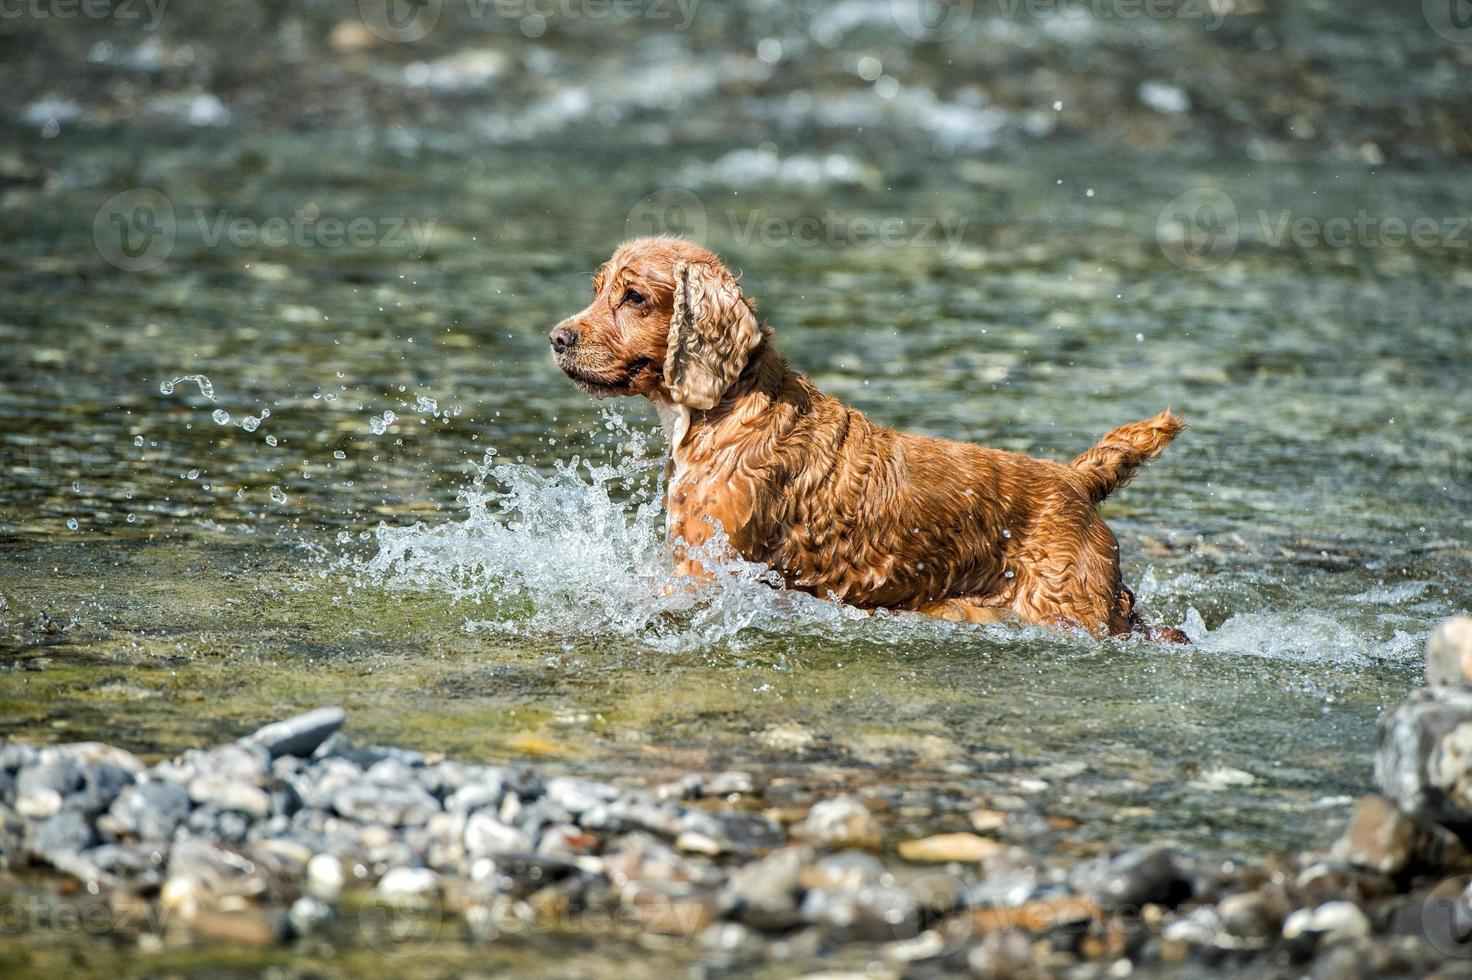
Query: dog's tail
<point x="1114" y="459"/>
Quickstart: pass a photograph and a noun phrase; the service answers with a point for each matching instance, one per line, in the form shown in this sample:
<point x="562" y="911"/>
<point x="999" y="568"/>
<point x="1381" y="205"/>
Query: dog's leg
<point x="965" y="609"/>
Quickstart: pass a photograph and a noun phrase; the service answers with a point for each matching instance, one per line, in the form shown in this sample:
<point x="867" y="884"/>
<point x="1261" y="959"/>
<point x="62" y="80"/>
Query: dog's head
<point x="667" y="321"/>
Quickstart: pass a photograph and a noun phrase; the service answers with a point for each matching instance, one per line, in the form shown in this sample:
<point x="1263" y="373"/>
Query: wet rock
<point x="481" y="795"/>
<point x="486" y="836"/>
<point x="1135" y="878"/>
<point x="671" y="909"/>
<point x="949" y="847"/>
<point x="626" y="814"/>
<point x="224" y="793"/>
<point x="1449" y="653"/>
<point x="200" y="872"/>
<point x="325" y="876"/>
<point x="308" y="915"/>
<point x="766" y="890"/>
<point x="1249" y="915"/>
<point x="405" y="883"/>
<point x="1378" y="836"/>
<point x="844" y="871"/>
<point x="842" y="822"/>
<point x="566" y="840"/>
<point x="61" y="836"/>
<point x="406" y="805"/>
<point x="730" y="781"/>
<point x="1336" y="920"/>
<point x="298" y="736"/>
<point x="728" y="832"/>
<point x="577" y="795"/>
<point x="1006" y="954"/>
<point x="148" y="810"/>
<point x="1425" y="756"/>
<point x="876" y="913"/>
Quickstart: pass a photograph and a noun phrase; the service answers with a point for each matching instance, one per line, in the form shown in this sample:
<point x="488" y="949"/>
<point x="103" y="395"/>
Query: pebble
<point x="1449" y="653"/>
<point x="842" y="822"/>
<point x="949" y="847"/>
<point x="325" y="876"/>
<point x="1336" y="920"/>
<point x="486" y="836"/>
<point x="256" y="840"/>
<point x="1378" y="837"/>
<point x="400" y="883"/>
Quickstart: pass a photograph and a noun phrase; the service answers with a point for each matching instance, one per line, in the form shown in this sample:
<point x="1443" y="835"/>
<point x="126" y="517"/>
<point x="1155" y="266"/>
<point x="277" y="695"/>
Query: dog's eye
<point x="634" y="296"/>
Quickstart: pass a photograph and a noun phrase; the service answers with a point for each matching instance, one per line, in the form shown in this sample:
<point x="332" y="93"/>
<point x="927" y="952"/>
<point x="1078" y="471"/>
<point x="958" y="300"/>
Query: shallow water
<point x="170" y="578"/>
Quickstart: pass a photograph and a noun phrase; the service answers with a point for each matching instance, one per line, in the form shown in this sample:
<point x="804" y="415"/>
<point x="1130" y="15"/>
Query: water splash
<point x="206" y="387"/>
<point x="580" y="552"/>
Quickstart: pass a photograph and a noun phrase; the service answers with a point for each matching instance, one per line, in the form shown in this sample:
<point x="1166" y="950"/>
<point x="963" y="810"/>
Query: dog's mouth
<point x="603" y="385"/>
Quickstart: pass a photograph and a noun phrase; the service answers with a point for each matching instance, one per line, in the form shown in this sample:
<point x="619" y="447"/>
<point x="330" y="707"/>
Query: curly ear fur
<point x="712" y="330"/>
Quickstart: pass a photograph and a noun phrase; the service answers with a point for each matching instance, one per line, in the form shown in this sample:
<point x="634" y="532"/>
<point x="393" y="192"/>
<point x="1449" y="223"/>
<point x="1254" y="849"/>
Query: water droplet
<point x="192" y="474"/>
<point x="1008" y="573"/>
<point x="138" y="441"/>
<point x="220" y="416"/>
<point x="71" y="523"/>
<point x="206" y="387"/>
<point x="339" y="454"/>
<point x="278" y="495"/>
<point x="250" y="423"/>
<point x="270" y="440"/>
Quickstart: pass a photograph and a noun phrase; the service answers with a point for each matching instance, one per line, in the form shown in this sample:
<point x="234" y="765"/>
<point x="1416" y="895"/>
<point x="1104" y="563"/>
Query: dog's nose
<point x="562" y="339"/>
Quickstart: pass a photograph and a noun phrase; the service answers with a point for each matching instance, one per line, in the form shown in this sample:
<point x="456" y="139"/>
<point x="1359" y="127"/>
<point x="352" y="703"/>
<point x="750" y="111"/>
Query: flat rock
<point x="300" y="735"/>
<point x="949" y="847"/>
<point x="1378" y="836"/>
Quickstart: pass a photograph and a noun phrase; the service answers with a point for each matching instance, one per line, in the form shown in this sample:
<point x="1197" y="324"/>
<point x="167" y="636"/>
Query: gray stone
<point x="577" y="795"/>
<point x="842" y="822"/>
<point x="729" y="832"/>
<point x="65" y="833"/>
<point x="766" y="890"/>
<point x="224" y="793"/>
<point x="1413" y="768"/>
<point x="876" y="913"/>
<point x="396" y="806"/>
<point x="150" y="810"/>
<point x="486" y="836"/>
<point x="298" y="736"/>
<point x="1147" y="875"/>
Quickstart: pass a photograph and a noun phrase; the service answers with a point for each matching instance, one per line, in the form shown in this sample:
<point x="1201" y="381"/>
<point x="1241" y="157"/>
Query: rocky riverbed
<point x="296" y="835"/>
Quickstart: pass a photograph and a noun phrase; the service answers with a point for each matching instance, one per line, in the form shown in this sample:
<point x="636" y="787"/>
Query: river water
<point x="250" y="470"/>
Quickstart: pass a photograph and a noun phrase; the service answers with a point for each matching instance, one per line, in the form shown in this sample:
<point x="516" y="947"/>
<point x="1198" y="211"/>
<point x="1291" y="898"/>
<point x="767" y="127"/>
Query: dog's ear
<point x="712" y="331"/>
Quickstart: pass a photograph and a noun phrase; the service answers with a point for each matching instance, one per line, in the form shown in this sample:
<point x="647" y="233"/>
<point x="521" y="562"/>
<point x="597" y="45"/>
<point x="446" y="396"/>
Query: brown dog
<point x="834" y="503"/>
